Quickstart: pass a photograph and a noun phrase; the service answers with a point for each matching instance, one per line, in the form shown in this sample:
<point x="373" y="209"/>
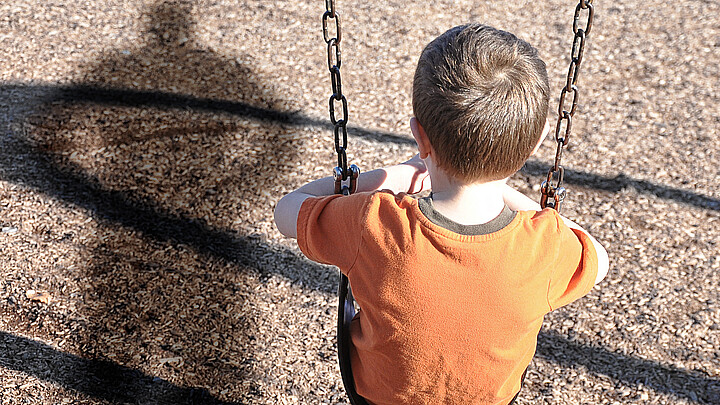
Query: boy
<point x="452" y="287"/>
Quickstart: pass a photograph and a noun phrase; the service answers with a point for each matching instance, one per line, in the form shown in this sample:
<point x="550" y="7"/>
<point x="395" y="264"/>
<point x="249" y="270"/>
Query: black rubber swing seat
<point x="346" y="313"/>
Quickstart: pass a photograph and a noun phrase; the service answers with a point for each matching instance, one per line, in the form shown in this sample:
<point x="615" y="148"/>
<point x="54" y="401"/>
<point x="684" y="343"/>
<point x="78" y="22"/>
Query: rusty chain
<point x="553" y="195"/>
<point x="334" y="59"/>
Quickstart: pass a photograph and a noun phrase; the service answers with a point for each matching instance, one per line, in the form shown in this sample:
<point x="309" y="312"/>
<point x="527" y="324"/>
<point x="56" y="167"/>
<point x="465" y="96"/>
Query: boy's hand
<point x="416" y="161"/>
<point x="420" y="180"/>
<point x="409" y="177"/>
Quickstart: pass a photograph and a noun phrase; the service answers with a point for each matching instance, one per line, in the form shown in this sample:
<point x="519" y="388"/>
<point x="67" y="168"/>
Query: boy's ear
<point x="545" y="133"/>
<point x="421" y="138"/>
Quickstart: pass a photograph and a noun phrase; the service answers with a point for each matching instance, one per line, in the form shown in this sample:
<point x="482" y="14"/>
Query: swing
<point x="552" y="191"/>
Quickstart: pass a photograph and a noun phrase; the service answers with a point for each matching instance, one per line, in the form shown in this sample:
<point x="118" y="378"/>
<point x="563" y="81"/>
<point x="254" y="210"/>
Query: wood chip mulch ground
<point x="144" y="144"/>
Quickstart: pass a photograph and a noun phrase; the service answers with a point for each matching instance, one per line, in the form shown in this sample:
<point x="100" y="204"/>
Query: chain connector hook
<point x="351" y="174"/>
<point x="354" y="174"/>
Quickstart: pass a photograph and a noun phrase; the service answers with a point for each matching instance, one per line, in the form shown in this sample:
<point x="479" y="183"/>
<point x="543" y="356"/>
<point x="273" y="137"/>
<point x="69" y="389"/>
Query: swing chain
<point x="553" y="194"/>
<point x="334" y="59"/>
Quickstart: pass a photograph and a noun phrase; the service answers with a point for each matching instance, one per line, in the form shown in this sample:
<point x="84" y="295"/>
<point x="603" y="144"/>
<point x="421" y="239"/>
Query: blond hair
<point x="481" y="95"/>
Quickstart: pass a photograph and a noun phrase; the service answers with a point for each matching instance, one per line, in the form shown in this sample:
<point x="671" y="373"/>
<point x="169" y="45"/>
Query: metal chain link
<point x="334" y="59"/>
<point x="554" y="194"/>
<point x="341" y="173"/>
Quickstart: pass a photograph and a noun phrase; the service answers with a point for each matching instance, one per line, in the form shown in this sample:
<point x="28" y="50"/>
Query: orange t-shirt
<point x="447" y="316"/>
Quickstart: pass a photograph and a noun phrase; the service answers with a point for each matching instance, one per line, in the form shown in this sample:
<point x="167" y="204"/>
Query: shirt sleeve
<point x="329" y="229"/>
<point x="576" y="269"/>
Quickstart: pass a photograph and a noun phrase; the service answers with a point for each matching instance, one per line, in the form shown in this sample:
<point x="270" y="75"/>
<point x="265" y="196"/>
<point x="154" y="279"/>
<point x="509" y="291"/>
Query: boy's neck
<point x="467" y="203"/>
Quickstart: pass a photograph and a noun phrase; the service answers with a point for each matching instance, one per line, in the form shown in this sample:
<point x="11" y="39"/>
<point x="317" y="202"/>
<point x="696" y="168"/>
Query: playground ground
<point x="144" y="143"/>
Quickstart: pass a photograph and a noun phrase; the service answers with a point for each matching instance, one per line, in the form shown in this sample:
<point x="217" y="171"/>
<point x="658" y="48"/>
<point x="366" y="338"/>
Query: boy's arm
<point x="518" y="201"/>
<point x="408" y="177"/>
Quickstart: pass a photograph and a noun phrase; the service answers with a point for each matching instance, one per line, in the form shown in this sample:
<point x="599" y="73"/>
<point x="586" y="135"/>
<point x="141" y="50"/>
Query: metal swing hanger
<point x="553" y="193"/>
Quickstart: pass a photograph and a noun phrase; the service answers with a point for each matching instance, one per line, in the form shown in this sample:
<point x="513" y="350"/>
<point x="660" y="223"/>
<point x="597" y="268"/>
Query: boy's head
<point x="481" y="95"/>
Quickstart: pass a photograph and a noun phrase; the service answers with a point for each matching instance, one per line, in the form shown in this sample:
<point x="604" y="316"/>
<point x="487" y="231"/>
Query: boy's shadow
<point x="180" y="185"/>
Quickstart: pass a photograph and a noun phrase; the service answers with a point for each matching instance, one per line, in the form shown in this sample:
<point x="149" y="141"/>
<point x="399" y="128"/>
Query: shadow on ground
<point x="621" y="182"/>
<point x="177" y="185"/>
<point x="97" y="378"/>
<point x="177" y="152"/>
<point x="692" y="385"/>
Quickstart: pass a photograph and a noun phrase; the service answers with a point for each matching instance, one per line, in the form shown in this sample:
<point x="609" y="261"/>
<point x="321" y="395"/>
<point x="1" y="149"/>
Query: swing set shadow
<point x="114" y="382"/>
<point x="157" y="99"/>
<point x="99" y="379"/>
<point x="692" y="385"/>
<point x="106" y="379"/>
